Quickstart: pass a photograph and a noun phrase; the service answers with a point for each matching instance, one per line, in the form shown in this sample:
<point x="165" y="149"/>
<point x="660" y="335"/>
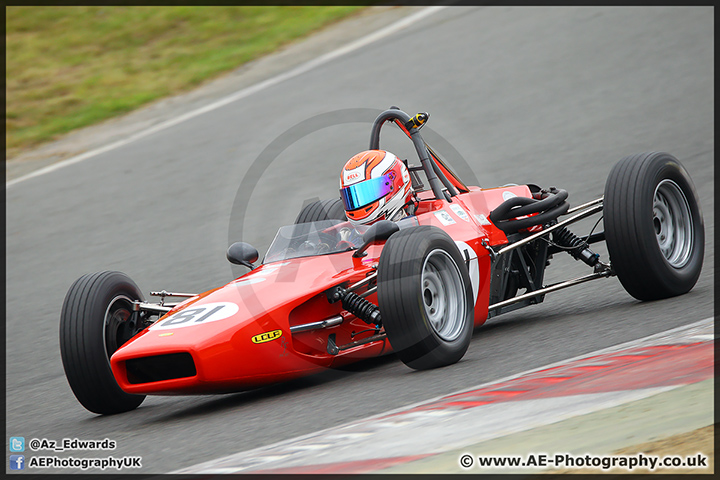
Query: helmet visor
<point x="364" y="193"/>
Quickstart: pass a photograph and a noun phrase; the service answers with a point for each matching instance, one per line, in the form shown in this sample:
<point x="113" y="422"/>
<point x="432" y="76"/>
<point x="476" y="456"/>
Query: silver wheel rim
<point x="673" y="224"/>
<point x="443" y="295"/>
<point x="119" y="311"/>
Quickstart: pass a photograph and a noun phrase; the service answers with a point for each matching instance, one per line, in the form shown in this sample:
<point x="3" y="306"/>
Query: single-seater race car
<point x="329" y="291"/>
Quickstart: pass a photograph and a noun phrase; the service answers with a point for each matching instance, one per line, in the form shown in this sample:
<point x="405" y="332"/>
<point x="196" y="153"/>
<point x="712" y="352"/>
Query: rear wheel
<point x="330" y="209"/>
<point x="653" y="226"/>
<point x="96" y="320"/>
<point x="425" y="297"/>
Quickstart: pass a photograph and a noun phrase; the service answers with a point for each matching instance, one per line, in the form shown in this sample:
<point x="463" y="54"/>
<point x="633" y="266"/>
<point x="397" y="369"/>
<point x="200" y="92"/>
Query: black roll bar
<point x="395" y="113"/>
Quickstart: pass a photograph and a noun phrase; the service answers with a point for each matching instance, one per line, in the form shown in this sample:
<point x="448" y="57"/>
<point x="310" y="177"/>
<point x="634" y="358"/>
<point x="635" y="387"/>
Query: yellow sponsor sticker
<point x="267" y="336"/>
<point x="165" y="334"/>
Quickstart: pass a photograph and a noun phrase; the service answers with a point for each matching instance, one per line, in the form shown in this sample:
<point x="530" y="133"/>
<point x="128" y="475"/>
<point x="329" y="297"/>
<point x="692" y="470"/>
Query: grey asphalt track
<point x="552" y="96"/>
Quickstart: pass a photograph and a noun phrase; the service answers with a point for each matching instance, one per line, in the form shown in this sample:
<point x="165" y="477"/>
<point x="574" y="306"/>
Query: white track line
<point x="245" y="92"/>
<point x="418" y="433"/>
<point x="632" y="343"/>
<point x="621" y="346"/>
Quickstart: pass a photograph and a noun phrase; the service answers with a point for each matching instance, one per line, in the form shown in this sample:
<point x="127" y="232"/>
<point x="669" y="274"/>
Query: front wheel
<point x="425" y="297"/>
<point x="96" y="320"/>
<point x="653" y="226"/>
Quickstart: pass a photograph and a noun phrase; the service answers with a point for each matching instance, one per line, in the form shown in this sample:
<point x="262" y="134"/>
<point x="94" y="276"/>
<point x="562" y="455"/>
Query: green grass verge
<point x="68" y="67"/>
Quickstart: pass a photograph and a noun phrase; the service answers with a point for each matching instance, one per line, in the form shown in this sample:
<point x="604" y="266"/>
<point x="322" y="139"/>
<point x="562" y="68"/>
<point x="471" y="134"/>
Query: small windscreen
<point x="314" y="238"/>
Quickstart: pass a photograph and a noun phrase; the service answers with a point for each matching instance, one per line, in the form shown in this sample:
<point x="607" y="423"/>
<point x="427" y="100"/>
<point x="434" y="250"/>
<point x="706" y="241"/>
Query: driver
<point x="375" y="185"/>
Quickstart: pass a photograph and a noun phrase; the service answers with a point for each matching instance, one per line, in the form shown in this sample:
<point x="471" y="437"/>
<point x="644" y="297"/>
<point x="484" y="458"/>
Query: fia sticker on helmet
<point x="444" y="218"/>
<point x="460" y="212"/>
<point x="197" y="315"/>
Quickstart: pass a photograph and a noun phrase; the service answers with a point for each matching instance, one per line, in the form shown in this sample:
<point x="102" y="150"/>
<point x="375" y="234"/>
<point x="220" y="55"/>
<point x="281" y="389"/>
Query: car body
<point x="280" y="295"/>
<point x="330" y="292"/>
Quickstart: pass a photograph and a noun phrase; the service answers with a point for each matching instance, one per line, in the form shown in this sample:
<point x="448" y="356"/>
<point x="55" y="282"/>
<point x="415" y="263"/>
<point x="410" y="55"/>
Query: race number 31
<point x="197" y="315"/>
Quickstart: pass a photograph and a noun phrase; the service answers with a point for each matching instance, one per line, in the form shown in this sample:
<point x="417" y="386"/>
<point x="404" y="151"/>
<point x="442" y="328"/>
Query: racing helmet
<point x="374" y="185"/>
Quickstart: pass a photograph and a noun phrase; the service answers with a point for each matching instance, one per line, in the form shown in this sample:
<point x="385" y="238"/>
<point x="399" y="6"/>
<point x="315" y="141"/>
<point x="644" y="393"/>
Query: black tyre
<point x="95" y="321"/>
<point x="653" y="226"/>
<point x="425" y="297"/>
<point x="330" y="209"/>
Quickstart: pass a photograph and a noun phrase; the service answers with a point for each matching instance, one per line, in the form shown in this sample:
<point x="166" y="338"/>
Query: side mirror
<point x="241" y="253"/>
<point x="378" y="232"/>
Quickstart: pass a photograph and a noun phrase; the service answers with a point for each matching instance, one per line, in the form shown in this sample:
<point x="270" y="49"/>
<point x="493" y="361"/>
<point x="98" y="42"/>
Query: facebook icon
<point x="17" y="462"/>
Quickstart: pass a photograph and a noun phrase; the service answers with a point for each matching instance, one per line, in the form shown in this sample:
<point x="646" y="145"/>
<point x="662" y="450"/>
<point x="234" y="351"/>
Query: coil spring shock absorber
<point x="355" y="304"/>
<point x="576" y="247"/>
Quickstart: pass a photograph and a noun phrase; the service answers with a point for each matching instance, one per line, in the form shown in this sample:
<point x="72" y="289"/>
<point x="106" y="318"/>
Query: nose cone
<point x="227" y="339"/>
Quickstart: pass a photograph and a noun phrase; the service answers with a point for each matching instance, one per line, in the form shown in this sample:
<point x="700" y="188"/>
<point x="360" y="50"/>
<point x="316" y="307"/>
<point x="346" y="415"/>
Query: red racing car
<point x="330" y="291"/>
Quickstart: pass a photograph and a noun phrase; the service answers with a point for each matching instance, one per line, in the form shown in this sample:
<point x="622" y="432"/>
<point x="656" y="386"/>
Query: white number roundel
<point x="197" y="315"/>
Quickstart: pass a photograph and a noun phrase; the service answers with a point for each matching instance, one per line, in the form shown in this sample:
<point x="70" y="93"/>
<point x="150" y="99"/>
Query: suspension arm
<point x="586" y="213"/>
